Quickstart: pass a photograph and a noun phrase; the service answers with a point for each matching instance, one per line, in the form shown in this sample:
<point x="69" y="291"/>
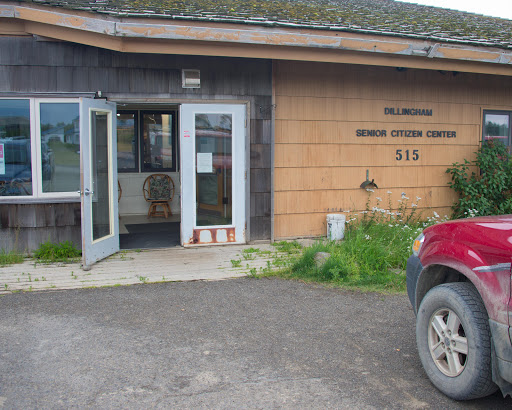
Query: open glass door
<point x="212" y="174"/>
<point x="98" y="177"/>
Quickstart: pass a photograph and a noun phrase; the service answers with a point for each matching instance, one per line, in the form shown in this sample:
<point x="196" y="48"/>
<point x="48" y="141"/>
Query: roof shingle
<point x="386" y="17"/>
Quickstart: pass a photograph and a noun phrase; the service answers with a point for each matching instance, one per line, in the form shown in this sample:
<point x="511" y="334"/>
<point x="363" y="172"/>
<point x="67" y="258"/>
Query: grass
<point x="9" y="258"/>
<point x="372" y="256"/>
<point x="236" y="263"/>
<point x="49" y="252"/>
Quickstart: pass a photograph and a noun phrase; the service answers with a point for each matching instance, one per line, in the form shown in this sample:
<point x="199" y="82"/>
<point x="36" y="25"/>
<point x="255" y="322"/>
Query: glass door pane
<point x="213" y="174"/>
<point x="98" y="148"/>
<point x="157" y="141"/>
<point x="101" y="209"/>
<point x="213" y="169"/>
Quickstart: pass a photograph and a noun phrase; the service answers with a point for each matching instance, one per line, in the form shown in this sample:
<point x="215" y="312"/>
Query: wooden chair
<point x="158" y="190"/>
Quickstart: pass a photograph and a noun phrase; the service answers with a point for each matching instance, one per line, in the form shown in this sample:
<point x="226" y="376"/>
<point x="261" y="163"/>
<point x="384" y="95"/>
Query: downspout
<point x="272" y="148"/>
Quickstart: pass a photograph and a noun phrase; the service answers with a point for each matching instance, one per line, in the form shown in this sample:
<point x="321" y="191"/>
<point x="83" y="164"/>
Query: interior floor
<point x="141" y="232"/>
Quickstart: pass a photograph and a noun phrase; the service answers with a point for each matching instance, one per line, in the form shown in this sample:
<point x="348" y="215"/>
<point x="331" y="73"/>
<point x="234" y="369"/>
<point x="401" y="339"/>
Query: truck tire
<point x="454" y="341"/>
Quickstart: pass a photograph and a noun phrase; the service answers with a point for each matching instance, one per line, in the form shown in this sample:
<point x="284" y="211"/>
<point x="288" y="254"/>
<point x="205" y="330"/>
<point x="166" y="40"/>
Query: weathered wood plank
<point x="260" y="228"/>
<point x="353" y="155"/>
<point x="360" y="110"/>
<point x="260" y="156"/>
<point x="386" y="83"/>
<point x="332" y="178"/>
<point x="375" y="132"/>
<point x="260" y="180"/>
<point x="303" y="202"/>
<point x="314" y="224"/>
<point x="260" y="204"/>
<point x="261" y="131"/>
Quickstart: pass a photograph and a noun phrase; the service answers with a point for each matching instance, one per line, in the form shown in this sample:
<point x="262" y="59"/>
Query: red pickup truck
<point x="459" y="284"/>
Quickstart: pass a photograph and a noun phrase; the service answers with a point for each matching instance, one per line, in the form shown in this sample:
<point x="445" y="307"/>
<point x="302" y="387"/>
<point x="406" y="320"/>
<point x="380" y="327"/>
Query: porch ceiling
<point x="164" y="36"/>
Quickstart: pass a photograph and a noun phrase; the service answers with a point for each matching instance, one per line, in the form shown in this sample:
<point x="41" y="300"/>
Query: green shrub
<point x="61" y="252"/>
<point x="487" y="191"/>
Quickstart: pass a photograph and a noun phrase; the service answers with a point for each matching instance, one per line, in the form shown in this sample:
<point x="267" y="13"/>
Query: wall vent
<point x="191" y="78"/>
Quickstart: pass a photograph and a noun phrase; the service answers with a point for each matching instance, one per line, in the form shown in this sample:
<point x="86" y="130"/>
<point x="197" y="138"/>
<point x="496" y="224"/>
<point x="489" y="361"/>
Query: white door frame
<point x="236" y="232"/>
<point x="99" y="248"/>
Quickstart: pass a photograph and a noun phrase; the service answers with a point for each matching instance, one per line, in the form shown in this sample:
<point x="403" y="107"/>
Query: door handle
<point x="86" y="192"/>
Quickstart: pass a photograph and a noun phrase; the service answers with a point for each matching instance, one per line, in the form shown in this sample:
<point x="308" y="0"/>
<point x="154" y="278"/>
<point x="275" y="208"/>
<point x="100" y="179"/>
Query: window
<point x="59" y="147"/>
<point x="127" y="141"/>
<point x="39" y="148"/>
<point x="497" y="126"/>
<point x="15" y="148"/>
<point x="146" y="141"/>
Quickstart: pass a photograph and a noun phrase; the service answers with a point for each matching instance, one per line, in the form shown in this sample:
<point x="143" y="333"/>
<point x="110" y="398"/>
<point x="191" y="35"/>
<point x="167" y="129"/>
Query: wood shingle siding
<point x="24" y="226"/>
<point x="320" y="161"/>
<point x="30" y="66"/>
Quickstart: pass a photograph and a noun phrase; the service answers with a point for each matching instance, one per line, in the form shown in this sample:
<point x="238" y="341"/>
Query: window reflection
<point x="213" y="133"/>
<point x="127" y="141"/>
<point x="60" y="147"/>
<point x="497" y="127"/>
<point x="157" y="140"/>
<point x="15" y="148"/>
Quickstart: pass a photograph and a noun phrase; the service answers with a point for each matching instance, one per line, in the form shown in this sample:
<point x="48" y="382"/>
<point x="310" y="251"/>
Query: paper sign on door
<point x="204" y="162"/>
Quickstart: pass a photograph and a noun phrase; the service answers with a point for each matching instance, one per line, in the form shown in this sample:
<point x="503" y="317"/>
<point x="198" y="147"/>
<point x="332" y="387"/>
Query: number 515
<point x="405" y="154"/>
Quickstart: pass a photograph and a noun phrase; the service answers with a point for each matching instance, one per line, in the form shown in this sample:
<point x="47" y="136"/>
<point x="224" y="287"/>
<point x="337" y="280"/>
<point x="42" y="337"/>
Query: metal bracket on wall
<point x="368" y="184"/>
<point x="264" y="109"/>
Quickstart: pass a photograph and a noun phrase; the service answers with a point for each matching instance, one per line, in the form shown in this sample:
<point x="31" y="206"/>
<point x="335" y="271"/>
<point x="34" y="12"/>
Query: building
<point x="266" y="115"/>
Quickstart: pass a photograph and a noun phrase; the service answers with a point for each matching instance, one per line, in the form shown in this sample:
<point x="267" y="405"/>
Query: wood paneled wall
<point x="321" y="158"/>
<point x="31" y="66"/>
<point x="23" y="227"/>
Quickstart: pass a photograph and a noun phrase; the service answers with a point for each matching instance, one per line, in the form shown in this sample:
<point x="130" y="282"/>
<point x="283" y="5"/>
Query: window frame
<point x="39" y="192"/>
<point x="498" y="112"/>
<point x="139" y="119"/>
<point x="174" y="114"/>
<point x="137" y="167"/>
<point x="36" y="159"/>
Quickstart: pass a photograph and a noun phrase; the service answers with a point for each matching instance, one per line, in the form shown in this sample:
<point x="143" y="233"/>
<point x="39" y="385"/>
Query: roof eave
<point x="119" y="31"/>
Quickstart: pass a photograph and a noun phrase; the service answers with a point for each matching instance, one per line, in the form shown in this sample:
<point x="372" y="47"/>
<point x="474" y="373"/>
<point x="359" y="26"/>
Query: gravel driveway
<point x="241" y="343"/>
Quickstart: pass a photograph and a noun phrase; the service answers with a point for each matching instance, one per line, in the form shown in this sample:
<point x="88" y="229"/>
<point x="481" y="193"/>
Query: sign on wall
<point x="408" y="154"/>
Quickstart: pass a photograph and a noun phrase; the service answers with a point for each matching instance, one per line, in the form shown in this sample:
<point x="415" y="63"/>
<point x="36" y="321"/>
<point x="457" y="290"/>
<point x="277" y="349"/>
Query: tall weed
<point x="9" y="258"/>
<point x="374" y="252"/>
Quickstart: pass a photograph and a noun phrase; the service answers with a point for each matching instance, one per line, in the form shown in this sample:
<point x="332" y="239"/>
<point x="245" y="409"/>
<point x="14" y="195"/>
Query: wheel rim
<point x="447" y="342"/>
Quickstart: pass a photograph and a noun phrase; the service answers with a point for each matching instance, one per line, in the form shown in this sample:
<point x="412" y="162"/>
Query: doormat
<point x="151" y="236"/>
<point x="171" y="227"/>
